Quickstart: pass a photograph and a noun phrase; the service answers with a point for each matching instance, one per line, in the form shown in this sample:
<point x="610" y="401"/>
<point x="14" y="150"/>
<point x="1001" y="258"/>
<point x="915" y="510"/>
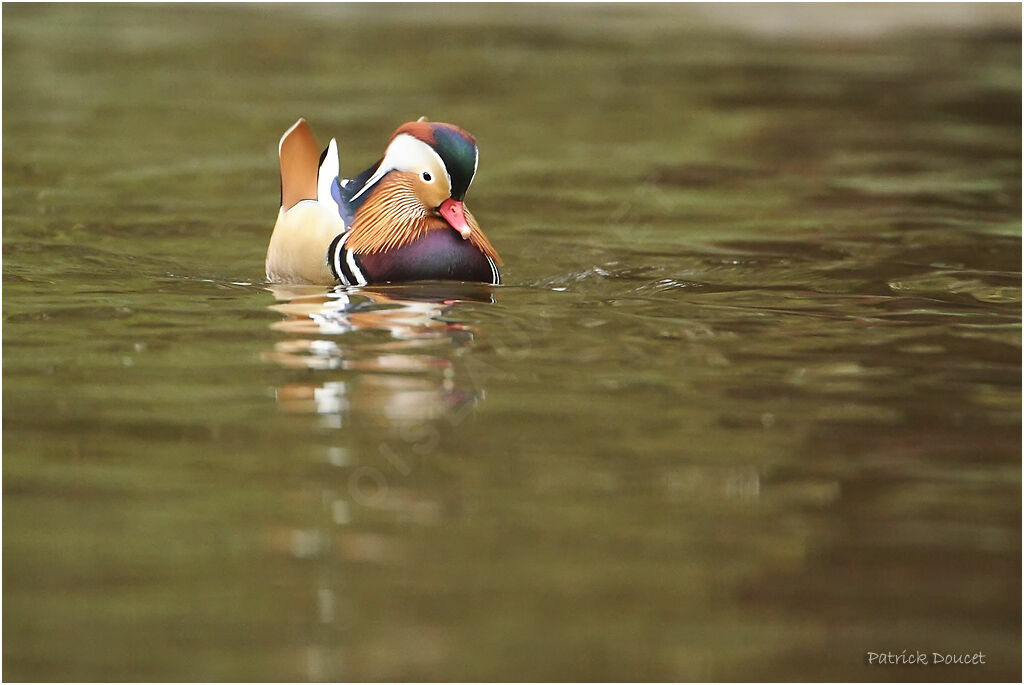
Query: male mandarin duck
<point x="402" y="219"/>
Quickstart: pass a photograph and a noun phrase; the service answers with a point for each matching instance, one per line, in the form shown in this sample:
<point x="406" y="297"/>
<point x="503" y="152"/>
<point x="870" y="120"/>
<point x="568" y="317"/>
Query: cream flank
<point x="298" y="245"/>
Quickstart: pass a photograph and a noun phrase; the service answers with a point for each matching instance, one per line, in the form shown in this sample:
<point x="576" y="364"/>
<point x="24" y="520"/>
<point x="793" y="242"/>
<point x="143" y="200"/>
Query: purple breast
<point x="440" y="255"/>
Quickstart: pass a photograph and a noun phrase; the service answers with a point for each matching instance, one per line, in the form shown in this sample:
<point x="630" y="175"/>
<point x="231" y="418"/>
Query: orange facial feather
<point x="478" y="239"/>
<point x="393" y="216"/>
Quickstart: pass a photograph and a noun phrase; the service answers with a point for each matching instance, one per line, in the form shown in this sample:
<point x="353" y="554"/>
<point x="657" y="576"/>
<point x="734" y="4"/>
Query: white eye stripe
<point x="405" y="153"/>
<point x="440" y="162"/>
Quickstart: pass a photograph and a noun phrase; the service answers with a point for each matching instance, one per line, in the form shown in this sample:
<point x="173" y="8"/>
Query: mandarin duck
<point x="402" y="219"/>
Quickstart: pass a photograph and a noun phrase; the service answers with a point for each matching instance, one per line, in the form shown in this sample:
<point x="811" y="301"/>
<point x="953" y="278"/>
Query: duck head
<point x="419" y="185"/>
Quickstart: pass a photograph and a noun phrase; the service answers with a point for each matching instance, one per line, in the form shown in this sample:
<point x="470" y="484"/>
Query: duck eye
<point x="427" y="177"/>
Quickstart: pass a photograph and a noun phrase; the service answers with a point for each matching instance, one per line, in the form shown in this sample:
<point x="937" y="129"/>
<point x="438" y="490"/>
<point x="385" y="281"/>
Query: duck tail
<point x="300" y="163"/>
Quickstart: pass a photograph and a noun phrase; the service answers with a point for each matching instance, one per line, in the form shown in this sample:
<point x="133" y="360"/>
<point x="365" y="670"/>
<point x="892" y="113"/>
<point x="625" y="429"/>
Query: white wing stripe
<point x="325" y="176"/>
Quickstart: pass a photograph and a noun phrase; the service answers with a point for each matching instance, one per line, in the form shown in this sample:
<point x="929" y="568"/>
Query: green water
<point x="747" y="406"/>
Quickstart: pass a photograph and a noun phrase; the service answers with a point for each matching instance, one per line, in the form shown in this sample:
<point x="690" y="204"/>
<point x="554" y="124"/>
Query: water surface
<point x="747" y="406"/>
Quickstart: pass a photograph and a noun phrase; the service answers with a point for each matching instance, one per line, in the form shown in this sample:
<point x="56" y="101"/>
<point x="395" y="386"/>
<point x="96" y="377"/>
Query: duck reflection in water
<point x="403" y="355"/>
<point x="390" y="367"/>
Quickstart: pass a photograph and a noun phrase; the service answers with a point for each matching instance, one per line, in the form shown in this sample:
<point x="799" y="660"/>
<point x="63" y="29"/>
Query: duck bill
<point x="454" y="212"/>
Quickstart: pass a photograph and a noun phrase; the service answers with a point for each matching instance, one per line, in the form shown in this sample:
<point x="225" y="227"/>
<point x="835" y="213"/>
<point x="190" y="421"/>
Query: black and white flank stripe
<point x="344" y="263"/>
<point x="495" y="276"/>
